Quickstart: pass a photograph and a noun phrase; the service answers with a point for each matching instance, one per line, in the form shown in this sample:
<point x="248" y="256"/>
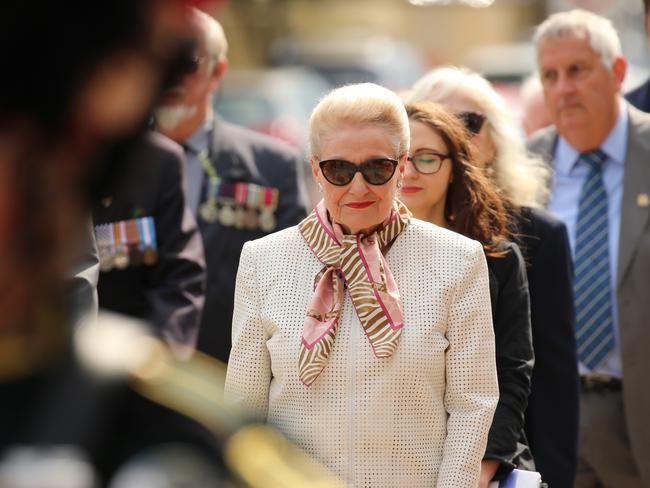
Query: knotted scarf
<point x="358" y="262"/>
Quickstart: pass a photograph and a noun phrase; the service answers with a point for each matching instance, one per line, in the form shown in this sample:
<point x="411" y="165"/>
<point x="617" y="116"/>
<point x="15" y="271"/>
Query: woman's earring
<point x="320" y="187"/>
<point x="399" y="184"/>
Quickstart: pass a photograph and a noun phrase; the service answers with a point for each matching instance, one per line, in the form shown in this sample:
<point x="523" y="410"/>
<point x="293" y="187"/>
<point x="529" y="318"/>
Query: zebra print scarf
<point x="356" y="261"/>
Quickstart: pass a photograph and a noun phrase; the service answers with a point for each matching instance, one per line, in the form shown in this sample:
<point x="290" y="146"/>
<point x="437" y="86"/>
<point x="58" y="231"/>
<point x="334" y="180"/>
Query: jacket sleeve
<point x="471" y="392"/>
<point x="514" y="358"/>
<point x="176" y="284"/>
<point x="552" y="415"/>
<point x="248" y="377"/>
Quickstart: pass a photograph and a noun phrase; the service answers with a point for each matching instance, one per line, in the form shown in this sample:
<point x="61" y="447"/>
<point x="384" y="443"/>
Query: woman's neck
<point x="435" y="215"/>
<point x="347" y="230"/>
<point x="364" y="232"/>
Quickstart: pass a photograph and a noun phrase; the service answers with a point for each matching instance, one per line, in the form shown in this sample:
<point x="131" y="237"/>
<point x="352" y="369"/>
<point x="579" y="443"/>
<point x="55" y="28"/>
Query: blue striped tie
<point x="592" y="287"/>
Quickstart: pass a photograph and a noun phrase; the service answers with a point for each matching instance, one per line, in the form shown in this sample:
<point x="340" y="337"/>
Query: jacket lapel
<point x="635" y="208"/>
<point x="234" y="158"/>
<point x="543" y="144"/>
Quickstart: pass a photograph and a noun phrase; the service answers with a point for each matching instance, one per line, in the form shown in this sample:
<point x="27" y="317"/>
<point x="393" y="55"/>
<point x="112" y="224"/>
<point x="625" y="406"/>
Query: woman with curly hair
<point x="442" y="186"/>
<point x="522" y="181"/>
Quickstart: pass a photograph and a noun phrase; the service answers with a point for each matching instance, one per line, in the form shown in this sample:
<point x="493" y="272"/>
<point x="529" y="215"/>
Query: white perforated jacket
<point x="419" y="418"/>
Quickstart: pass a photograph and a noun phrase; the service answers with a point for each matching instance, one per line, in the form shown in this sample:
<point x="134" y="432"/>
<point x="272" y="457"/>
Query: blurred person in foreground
<point x="55" y="142"/>
<point x="241" y="185"/>
<point x="535" y="114"/>
<point x="550" y="425"/>
<point x="599" y="147"/>
<point x="442" y="186"/>
<point x="364" y="334"/>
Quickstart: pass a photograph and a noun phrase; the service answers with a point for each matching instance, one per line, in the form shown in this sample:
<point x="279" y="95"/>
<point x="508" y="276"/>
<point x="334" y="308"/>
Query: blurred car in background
<point x="504" y="62"/>
<point x="276" y="101"/>
<point x="352" y="57"/>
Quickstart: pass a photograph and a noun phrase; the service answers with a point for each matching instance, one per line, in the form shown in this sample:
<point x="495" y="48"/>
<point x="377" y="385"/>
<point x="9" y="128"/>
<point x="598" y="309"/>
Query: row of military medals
<point x="238" y="204"/>
<point x="128" y="242"/>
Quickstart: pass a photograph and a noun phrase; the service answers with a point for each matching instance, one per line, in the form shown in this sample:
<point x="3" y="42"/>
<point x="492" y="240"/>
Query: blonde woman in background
<point x="534" y="112"/>
<point x="551" y="423"/>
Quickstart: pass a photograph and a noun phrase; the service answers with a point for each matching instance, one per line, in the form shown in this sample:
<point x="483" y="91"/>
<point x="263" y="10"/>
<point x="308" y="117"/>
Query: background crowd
<point x="421" y="285"/>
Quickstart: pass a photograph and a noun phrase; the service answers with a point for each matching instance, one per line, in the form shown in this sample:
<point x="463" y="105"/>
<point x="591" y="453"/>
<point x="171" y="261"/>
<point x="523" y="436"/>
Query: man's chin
<point x="168" y="117"/>
<point x="171" y="99"/>
<point x="573" y="118"/>
<point x="174" y="94"/>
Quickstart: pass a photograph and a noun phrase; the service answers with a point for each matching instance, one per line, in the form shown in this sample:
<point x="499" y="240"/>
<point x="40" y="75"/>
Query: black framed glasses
<point x="191" y="64"/>
<point x="340" y="172"/>
<point x="429" y="162"/>
<point x="473" y="121"/>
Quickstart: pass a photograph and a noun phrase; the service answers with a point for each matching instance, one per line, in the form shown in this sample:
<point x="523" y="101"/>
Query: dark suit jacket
<point x="514" y="355"/>
<point x="240" y="154"/>
<point x="640" y="97"/>
<point x="170" y="293"/>
<point x="633" y="281"/>
<point x="552" y="414"/>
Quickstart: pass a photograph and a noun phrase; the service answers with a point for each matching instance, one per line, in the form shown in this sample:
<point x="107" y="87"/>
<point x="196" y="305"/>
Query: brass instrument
<point x="258" y="455"/>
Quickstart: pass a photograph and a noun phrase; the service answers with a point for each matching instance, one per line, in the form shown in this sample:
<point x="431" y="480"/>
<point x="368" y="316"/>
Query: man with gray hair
<point x="241" y="185"/>
<point x="599" y="146"/>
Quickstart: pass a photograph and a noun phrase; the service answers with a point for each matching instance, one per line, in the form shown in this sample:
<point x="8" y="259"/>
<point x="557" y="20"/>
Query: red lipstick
<point x="358" y="204"/>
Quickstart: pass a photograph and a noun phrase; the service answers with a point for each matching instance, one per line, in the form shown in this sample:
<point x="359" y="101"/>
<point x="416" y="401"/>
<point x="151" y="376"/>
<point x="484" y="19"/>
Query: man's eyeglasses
<point x="192" y="63"/>
<point x="428" y="163"/>
<point x="473" y="121"/>
<point x="340" y="172"/>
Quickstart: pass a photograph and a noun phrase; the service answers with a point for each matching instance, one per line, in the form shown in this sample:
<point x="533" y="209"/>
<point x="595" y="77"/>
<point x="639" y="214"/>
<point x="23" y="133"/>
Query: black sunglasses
<point x="340" y="172"/>
<point x="428" y="163"/>
<point x="473" y="121"/>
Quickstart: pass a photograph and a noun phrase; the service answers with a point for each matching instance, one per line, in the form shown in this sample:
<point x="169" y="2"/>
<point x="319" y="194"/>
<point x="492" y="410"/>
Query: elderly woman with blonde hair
<point x="522" y="181"/>
<point x="362" y="333"/>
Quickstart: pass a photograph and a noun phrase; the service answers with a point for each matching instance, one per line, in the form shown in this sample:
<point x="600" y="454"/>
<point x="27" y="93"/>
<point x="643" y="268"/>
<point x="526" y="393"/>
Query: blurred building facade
<point x="393" y="42"/>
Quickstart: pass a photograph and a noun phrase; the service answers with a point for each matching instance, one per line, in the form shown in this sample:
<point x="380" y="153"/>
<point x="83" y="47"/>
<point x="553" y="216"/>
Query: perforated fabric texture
<point x="419" y="418"/>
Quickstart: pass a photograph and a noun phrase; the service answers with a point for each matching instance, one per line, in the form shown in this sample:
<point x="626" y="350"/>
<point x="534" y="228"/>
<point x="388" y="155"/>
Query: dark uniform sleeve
<point x="514" y="356"/>
<point x="176" y="283"/>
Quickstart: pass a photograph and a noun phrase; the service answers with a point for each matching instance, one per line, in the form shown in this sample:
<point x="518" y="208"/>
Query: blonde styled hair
<point x="521" y="177"/>
<point x="360" y="104"/>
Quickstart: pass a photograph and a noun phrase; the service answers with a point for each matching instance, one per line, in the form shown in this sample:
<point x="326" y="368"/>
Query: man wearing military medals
<point x="241" y="185"/>
<point x="150" y="249"/>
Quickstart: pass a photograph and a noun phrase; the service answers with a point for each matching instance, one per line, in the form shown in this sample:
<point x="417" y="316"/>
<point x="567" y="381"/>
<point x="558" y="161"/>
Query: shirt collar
<point x="200" y="139"/>
<point x="614" y="146"/>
